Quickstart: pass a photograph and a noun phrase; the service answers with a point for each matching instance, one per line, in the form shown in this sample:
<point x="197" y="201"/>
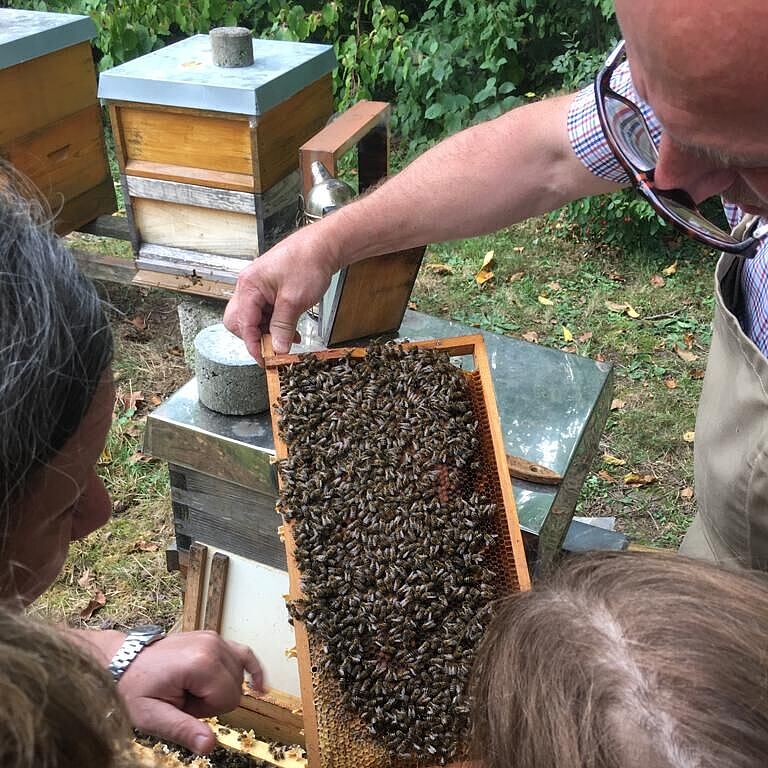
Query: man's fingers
<point x="250" y="663"/>
<point x="243" y="316"/>
<point x="283" y="330"/>
<point x="162" y="719"/>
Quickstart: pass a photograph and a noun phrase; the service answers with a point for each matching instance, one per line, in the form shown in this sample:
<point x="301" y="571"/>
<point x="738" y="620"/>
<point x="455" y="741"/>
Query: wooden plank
<point x="295" y="592"/>
<point x="217" y="585"/>
<point x="193" y="597"/>
<point x="341" y="135"/>
<point x="87" y="206"/>
<point x="117" y="137"/>
<point x="196" y="229"/>
<point x="372" y="296"/>
<point x="244" y="521"/>
<point x="239" y="182"/>
<point x="65" y="159"/>
<point x="456" y="346"/>
<point x="100" y="267"/>
<point x="276" y="198"/>
<point x="192" y="284"/>
<point x="186" y="139"/>
<point x="275" y="715"/>
<point x="254" y="748"/>
<point x="179" y="261"/>
<point x="44" y="89"/>
<point x="499" y="451"/>
<point x="191" y="194"/>
<point x="278" y="134"/>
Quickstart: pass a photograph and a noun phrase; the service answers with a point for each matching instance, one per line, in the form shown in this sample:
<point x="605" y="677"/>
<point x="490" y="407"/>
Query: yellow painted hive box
<point x="208" y="155"/>
<point x="51" y="129"/>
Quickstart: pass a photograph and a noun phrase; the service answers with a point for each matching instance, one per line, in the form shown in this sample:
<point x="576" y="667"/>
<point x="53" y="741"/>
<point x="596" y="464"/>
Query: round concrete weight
<point x="229" y="380"/>
<point x="231" y="47"/>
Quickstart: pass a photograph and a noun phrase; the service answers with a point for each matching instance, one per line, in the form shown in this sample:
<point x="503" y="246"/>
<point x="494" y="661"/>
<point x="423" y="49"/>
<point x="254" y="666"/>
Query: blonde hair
<point x="627" y="660"/>
<point x="57" y="708"/>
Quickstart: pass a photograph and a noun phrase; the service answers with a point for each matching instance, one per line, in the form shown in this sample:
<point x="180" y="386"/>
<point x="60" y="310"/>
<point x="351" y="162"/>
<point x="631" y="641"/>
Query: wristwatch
<point x="135" y="642"/>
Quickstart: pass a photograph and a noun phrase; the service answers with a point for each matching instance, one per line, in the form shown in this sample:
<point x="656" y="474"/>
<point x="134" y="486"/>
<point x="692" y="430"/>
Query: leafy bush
<point x="443" y="64"/>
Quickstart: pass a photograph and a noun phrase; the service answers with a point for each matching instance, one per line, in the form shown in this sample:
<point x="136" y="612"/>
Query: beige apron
<point x="731" y="448"/>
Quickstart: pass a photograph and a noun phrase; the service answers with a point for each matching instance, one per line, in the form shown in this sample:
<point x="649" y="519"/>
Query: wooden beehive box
<point x="51" y="129"/>
<point x="209" y="156"/>
<point x="387" y="588"/>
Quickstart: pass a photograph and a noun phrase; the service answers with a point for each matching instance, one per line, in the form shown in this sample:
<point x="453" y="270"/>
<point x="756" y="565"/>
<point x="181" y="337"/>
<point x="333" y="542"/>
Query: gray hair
<point x="55" y="342"/>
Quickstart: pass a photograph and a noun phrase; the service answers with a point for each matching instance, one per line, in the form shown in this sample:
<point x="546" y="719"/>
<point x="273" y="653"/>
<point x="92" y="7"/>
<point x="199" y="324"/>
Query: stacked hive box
<point x="208" y="155"/>
<point x="51" y="128"/>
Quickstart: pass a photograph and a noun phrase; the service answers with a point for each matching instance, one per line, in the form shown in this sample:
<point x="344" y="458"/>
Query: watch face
<point x="147" y="631"/>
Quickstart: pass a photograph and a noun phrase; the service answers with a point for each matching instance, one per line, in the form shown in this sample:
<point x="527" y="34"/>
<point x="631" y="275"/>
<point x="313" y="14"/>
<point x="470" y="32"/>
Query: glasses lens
<point x="692" y="218"/>
<point x="630" y="131"/>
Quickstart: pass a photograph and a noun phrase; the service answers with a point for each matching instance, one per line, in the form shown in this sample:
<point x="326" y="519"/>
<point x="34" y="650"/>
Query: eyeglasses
<point x="626" y="131"/>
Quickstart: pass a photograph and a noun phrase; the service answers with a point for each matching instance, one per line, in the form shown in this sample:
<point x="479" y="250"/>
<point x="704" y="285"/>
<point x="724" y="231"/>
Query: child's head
<point x="57" y="708"/>
<point x="627" y="660"/>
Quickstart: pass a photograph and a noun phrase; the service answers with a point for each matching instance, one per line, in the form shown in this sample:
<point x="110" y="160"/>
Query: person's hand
<point x="182" y="677"/>
<point x="274" y="290"/>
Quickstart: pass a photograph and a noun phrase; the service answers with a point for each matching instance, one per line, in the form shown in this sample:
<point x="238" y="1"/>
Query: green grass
<point x="586" y="285"/>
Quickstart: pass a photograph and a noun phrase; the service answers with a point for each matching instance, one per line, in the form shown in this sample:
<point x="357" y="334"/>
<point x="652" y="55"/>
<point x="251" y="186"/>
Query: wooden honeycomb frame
<point x="325" y="734"/>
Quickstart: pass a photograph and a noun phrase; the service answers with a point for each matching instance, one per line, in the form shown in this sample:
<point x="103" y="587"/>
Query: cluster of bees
<point x="395" y="550"/>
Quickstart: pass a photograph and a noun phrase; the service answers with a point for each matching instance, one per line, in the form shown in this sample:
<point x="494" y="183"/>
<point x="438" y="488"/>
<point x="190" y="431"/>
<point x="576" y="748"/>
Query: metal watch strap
<point x="133" y="644"/>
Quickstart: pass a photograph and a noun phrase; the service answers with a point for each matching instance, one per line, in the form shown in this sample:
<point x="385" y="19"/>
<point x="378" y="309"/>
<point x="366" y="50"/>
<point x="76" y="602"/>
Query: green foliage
<point x="622" y="219"/>
<point x="443" y="64"/>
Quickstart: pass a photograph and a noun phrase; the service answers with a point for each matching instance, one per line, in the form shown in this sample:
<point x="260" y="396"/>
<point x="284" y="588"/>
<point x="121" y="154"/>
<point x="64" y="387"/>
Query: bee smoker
<point x="326" y="195"/>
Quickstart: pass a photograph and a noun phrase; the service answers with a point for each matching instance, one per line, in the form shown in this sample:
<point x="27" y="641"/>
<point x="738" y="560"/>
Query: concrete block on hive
<point x="51" y="129"/>
<point x="230" y="381"/>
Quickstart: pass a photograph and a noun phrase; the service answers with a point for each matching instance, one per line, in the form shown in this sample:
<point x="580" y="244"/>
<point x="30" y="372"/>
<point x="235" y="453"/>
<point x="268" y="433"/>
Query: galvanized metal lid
<point x="184" y="75"/>
<point x="26" y="35"/>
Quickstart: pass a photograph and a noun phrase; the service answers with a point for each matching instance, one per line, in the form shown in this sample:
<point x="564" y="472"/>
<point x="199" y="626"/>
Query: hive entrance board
<point x="400" y="530"/>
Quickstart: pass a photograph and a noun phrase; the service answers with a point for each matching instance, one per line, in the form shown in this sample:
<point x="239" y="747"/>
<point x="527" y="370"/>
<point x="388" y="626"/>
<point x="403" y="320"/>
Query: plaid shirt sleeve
<point x="586" y="135"/>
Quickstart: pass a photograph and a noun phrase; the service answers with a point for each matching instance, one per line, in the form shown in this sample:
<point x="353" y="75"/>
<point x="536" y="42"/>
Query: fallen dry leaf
<point x="689" y="338"/>
<point x="145" y="546"/>
<point x="632" y="312"/>
<point x="614" y="306"/>
<point x="155" y="399"/>
<point x="657" y="281"/>
<point x="616" y="277"/>
<point x="86" y="579"/>
<point x="515" y="277"/>
<point x="684" y="354"/>
<point x="571" y="348"/>
<point x="633" y="478"/>
<point x="439" y="269"/>
<point x="106" y="456"/>
<point x="488" y="260"/>
<point x="617" y="404"/>
<point x="670" y="270"/>
<point x="586" y="336"/>
<point x="689" y="437"/>
<point x="545" y="301"/>
<point x="567" y="335"/>
<point x="686" y="493"/>
<point x="670" y="383"/>
<point x="531" y="336"/>
<point x="518" y="248"/>
<point x="603" y="475"/>
<point x="600" y="357"/>
<point x="482" y="277"/>
<point x="697" y="373"/>
<point x="98" y="601"/>
<point x="139" y="322"/>
<point x="130" y="399"/>
<point x="554" y="286"/>
<point x="614" y="461"/>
